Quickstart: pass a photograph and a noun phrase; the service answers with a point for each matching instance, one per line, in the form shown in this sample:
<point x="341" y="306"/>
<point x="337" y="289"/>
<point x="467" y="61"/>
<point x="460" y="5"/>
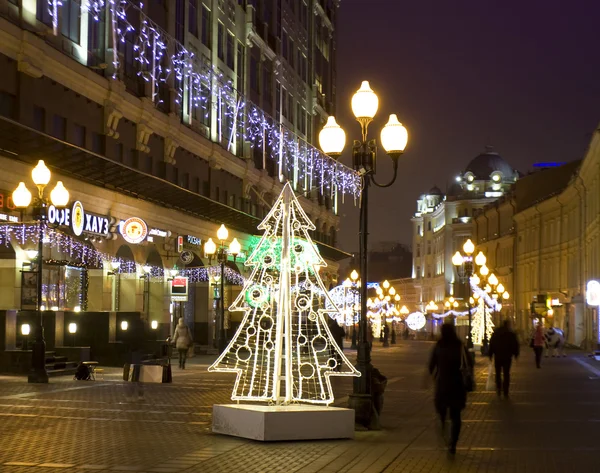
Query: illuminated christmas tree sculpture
<point x="283" y="351"/>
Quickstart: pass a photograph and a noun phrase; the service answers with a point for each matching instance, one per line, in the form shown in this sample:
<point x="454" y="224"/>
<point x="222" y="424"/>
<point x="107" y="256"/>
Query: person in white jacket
<point x="183" y="341"/>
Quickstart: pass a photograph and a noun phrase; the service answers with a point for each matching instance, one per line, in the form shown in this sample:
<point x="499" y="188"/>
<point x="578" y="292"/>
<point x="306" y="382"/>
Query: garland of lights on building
<point x="85" y="255"/>
<point x="202" y="86"/>
<point x="283" y="351"/>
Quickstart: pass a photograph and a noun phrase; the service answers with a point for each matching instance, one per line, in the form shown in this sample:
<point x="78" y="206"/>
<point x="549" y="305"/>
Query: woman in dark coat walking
<point x="450" y="393"/>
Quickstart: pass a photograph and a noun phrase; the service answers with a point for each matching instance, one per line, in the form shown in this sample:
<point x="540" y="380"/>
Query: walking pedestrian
<point x="386" y="334"/>
<point x="503" y="346"/>
<point x="182" y="338"/>
<point x="448" y="358"/>
<point x="538" y="341"/>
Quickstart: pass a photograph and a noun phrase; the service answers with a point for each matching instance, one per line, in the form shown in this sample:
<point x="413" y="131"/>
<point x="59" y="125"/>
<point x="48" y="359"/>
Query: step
<point x="61" y="365"/>
<point x="55" y="359"/>
<point x="61" y="372"/>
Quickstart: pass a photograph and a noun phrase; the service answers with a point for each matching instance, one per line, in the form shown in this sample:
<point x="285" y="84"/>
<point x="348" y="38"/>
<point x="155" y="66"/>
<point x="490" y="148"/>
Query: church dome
<point x="435" y="190"/>
<point x="488" y="162"/>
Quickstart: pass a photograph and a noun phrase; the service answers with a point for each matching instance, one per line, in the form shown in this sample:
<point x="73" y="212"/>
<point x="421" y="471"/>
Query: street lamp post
<point x="356" y="283"/>
<point x="210" y="248"/>
<point x="466" y="263"/>
<point x="387" y="295"/>
<point x="431" y="307"/>
<point x="59" y="197"/>
<point x="393" y="139"/>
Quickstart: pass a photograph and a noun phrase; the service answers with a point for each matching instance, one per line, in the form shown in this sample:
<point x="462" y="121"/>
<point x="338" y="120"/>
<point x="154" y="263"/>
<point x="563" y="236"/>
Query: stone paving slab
<point x="550" y="424"/>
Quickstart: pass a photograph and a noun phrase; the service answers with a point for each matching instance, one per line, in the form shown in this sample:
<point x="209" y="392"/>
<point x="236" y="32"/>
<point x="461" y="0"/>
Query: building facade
<point x="443" y="223"/>
<point x="184" y="114"/>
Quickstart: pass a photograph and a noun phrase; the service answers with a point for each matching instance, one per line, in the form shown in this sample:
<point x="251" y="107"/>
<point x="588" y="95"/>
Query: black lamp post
<point x="59" y="198"/>
<point x="364" y="152"/>
<point x="210" y="248"/>
<point x="464" y="268"/>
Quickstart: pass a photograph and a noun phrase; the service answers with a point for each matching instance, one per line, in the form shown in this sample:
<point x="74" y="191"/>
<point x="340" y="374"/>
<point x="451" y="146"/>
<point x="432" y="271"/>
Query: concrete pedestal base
<point x="275" y="423"/>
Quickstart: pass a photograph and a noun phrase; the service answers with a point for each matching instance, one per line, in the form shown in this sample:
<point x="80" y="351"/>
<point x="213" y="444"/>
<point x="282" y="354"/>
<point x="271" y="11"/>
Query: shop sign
<point x="134" y="230"/>
<point x="416" y="321"/>
<point x="159" y="233"/>
<point x="592" y="294"/>
<point x="8" y="218"/>
<point x="179" y="288"/>
<point x="187" y="257"/>
<point x="191" y="241"/>
<point x="79" y="220"/>
<point x="7" y="205"/>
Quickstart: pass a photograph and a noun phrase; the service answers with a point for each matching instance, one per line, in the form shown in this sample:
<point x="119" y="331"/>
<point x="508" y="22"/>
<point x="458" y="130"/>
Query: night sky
<point x="521" y="75"/>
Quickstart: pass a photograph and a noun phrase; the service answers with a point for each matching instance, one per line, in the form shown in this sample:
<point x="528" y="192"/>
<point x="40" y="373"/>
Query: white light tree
<point x="283" y="351"/>
<point x="478" y="327"/>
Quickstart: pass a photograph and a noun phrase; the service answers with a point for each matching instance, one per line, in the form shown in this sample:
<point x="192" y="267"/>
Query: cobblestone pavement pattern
<point x="550" y="424"/>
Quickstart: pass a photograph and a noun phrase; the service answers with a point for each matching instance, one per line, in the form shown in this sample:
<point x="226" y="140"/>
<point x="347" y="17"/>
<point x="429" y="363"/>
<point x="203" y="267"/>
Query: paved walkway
<point x="550" y="424"/>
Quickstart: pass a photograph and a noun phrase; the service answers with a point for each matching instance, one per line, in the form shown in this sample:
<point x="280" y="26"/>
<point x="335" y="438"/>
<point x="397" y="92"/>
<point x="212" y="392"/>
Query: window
<point x="220" y="41"/>
<point x="43" y="12"/>
<point x="291" y="109"/>
<point x="304" y="14"/>
<point x="267" y="82"/>
<point x="292" y="53"/>
<point x="429" y="225"/>
<point x="193" y="17"/>
<point x="277" y="101"/>
<point x="179" y="20"/>
<point x="97" y="143"/>
<point x="69" y="24"/>
<point x="418" y="251"/>
<point x="284" y="102"/>
<point x="284" y="44"/>
<point x="304" y="68"/>
<point x="230" y="51"/>
<point x="206" y="14"/>
<point x="59" y="127"/>
<point x="240" y="68"/>
<point x="7" y="105"/>
<point x="39" y="118"/>
<point x="79" y="135"/>
<point x="301" y="115"/>
<point x="254" y="64"/>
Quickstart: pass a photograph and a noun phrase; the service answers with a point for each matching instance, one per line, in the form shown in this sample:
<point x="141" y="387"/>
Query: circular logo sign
<point x="77" y="218"/>
<point x="134" y="230"/>
<point x="187" y="257"/>
<point x="416" y="321"/>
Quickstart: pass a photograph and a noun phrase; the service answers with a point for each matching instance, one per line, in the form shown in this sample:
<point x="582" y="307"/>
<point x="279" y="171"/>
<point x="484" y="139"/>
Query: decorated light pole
<point x="431" y="307"/>
<point x="356" y="283"/>
<point x="59" y="197"/>
<point x="210" y="248"/>
<point x="464" y="268"/>
<point x="388" y="296"/>
<point x="364" y="153"/>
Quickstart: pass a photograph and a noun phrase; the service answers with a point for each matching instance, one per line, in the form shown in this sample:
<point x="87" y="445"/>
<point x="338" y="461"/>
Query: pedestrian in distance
<point x="182" y="337"/>
<point x="448" y="361"/>
<point x="538" y="342"/>
<point x="503" y="346"/>
<point x="386" y="333"/>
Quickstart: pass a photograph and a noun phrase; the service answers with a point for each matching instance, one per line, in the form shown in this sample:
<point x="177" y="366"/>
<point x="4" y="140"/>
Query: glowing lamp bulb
<point x="235" y="247"/>
<point x="154" y="324"/>
<point x="210" y="247"/>
<point x="25" y="329"/>
<point x="365" y="102"/>
<point x="354" y="275"/>
<point x="124" y="325"/>
<point x="21" y="196"/>
<point x="40" y="174"/>
<point x="457" y="259"/>
<point x="394" y="136"/>
<point x="222" y="233"/>
<point x="332" y="138"/>
<point x="469" y="247"/>
<point x="72" y="328"/>
<point x="480" y="259"/>
<point x="59" y="195"/>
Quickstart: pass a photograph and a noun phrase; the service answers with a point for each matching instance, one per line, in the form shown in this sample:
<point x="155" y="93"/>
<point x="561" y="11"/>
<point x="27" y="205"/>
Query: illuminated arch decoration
<point x="346" y="303"/>
<point x="283" y="351"/>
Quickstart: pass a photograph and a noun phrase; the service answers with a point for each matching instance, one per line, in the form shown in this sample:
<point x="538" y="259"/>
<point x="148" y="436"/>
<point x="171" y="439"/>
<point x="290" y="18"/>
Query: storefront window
<point x="62" y="287"/>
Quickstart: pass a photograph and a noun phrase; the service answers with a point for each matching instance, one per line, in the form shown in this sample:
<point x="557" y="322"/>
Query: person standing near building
<point x="503" y="346"/>
<point x="182" y="338"/>
<point x="538" y="342"/>
<point x="448" y="358"/>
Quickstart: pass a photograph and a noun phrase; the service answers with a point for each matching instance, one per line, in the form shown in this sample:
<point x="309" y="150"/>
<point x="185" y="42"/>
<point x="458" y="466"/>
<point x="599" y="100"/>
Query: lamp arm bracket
<point x="393" y="177"/>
